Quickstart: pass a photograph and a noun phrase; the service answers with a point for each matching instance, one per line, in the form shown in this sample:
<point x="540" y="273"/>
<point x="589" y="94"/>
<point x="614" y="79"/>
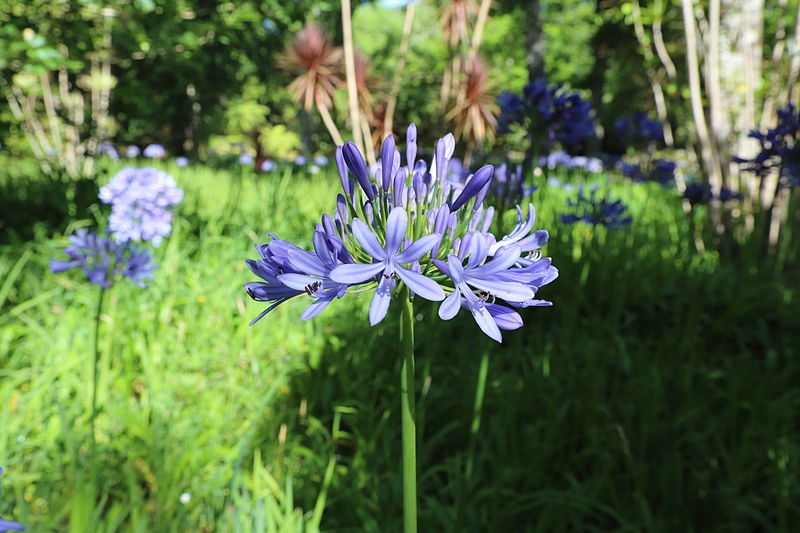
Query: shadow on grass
<point x="653" y="396"/>
<point x="32" y="205"/>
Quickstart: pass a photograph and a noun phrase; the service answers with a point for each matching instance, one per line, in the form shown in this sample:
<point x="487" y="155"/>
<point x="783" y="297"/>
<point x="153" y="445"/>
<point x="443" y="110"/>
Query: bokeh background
<point x="659" y="393"/>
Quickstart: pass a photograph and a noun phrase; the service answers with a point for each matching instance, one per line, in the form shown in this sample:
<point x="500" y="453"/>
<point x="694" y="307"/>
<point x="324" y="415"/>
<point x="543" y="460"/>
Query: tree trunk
<point x="534" y="41"/>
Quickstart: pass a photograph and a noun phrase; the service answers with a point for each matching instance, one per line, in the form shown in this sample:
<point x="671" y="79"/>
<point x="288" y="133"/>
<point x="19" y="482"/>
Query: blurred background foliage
<point x="188" y="71"/>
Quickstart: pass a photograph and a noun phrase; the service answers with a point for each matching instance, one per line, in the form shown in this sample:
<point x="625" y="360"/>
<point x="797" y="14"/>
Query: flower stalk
<point x="408" y="412"/>
<point x="96" y="369"/>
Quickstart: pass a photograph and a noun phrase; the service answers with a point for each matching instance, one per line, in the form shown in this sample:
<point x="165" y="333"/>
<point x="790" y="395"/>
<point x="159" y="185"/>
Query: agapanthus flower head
<point x="661" y="171"/>
<point x="638" y="130"/>
<point x="300" y="160"/>
<point x="549" y="112"/>
<point x="268" y="165"/>
<point x="107" y="148"/>
<point x="321" y="160"/>
<point x="728" y="195"/>
<point x="245" y="159"/>
<point x="596" y="210"/>
<point x="780" y="148"/>
<point x="154" y="151"/>
<point x="697" y="193"/>
<point x="410" y="225"/>
<point x="140" y="201"/>
<point x="132" y="151"/>
<point x="181" y="161"/>
<point x="104" y="259"/>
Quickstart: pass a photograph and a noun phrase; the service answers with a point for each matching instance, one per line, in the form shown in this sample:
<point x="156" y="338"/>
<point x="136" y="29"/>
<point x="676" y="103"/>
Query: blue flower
<point x="182" y="161"/>
<point x="140" y="199"/>
<point x="780" y="148"/>
<point x="639" y="130"/>
<point x="389" y="263"/>
<point x="154" y="151"/>
<point x="549" y="113"/>
<point x="597" y="211"/>
<point x="727" y="195"/>
<point x="268" y="166"/>
<point x="104" y="259"/>
<point x="697" y="193"/>
<point x="108" y="149"/>
<point x="245" y="159"/>
<point x="483" y="277"/>
<point x="290" y="271"/>
<point x="132" y="151"/>
<point x="397" y="226"/>
<point x="300" y="160"/>
<point x="321" y="160"/>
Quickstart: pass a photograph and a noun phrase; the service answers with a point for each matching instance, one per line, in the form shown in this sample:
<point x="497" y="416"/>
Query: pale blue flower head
<point x="132" y="151"/>
<point x="154" y="151"/>
<point x="140" y="201"/>
<point x="107" y="148"/>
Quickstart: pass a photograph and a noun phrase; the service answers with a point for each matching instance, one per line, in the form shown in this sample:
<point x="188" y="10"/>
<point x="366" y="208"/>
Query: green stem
<point x="96" y="370"/>
<point x="477" y="408"/>
<point x="407" y="413"/>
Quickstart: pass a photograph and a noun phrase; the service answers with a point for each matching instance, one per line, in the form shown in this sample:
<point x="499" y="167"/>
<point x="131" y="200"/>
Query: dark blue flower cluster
<point x="700" y="193"/>
<point x="597" y="211"/>
<point x="103" y="259"/>
<point x="548" y="112"/>
<point x="780" y="148"/>
<point x="661" y="171"/>
<point x="639" y="130"/>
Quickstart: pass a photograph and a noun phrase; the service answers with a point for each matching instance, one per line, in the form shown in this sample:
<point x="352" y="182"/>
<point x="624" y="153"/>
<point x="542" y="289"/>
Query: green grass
<point x="658" y="394"/>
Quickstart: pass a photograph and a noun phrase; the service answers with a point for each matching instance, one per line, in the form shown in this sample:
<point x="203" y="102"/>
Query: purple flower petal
<point x="473" y="186"/>
<point x="483" y="317"/>
<point x="315" y="308"/>
<point x="507" y="290"/>
<point x="411" y="146"/>
<point x="307" y="262"/>
<point x="367" y="239"/>
<point x="478" y="250"/>
<point x="421" y="285"/>
<point x="352" y="274"/>
<point x="450" y="306"/>
<point x="380" y="301"/>
<point x="505" y="318"/>
<point x="355" y="162"/>
<point x="395" y="230"/>
<point x="505" y="259"/>
<point x="347" y="184"/>
<point x="535" y="241"/>
<point x="298" y="282"/>
<point x="387" y="161"/>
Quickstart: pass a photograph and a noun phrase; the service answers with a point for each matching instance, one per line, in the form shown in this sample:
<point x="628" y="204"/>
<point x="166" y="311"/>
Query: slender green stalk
<point x="407" y="413"/>
<point x="477" y="409"/>
<point x="96" y="370"/>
